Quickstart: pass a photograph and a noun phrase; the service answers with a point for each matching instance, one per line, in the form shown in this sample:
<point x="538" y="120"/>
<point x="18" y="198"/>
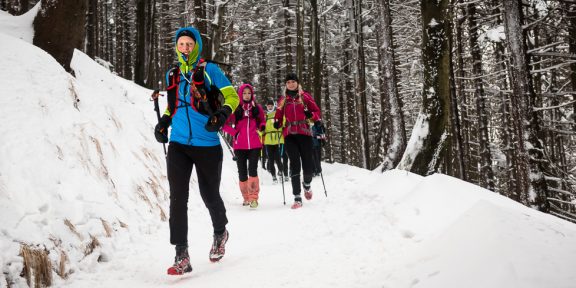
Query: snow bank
<point x="79" y="161"/>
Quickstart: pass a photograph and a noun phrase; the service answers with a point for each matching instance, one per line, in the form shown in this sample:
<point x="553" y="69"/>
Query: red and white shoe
<point x="181" y="265"/>
<point x="297" y="204"/>
<point x="308" y="194"/>
<point x="218" y="247"/>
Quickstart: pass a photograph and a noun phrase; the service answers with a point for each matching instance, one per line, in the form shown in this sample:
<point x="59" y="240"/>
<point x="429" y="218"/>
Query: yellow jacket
<point x="272" y="136"/>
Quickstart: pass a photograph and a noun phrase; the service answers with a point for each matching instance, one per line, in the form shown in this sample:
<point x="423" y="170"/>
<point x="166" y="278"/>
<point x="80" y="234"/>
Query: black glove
<point x="255" y="111"/>
<point x="161" y="130"/>
<point x="217" y="120"/>
<point x="308" y="114"/>
<point x="262" y="128"/>
<point x="276" y="124"/>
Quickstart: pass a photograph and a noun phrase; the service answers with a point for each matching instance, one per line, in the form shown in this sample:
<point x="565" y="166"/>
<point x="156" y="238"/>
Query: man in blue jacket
<point x="195" y="114"/>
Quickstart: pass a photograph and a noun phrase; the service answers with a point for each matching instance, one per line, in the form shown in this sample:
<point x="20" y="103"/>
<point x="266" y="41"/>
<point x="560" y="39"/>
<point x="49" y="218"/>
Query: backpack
<point x="203" y="101"/>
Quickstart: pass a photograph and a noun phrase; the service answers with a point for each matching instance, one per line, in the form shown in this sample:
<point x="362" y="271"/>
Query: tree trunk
<point x="287" y="37"/>
<point x="316" y="55"/>
<point x="59" y="28"/>
<point x="201" y="23"/>
<point x="327" y="112"/>
<point x="299" y="39"/>
<point x="390" y="93"/>
<point x="526" y="121"/>
<point x="151" y="44"/>
<point x="486" y="172"/>
<point x="431" y="132"/>
<point x="571" y="8"/>
<point x="342" y="113"/>
<point x="91" y="28"/>
<point x="217" y="30"/>
<point x="139" y="67"/>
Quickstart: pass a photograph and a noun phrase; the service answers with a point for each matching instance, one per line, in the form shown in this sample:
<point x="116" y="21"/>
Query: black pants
<point x="284" y="158"/>
<point x="247" y="163"/>
<point x="263" y="158"/>
<point x="299" y="148"/>
<point x="317" y="154"/>
<point x="208" y="161"/>
<point x="274" y="157"/>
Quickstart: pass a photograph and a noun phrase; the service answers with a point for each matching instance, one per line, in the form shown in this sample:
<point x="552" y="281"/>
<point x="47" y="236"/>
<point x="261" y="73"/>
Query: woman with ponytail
<point x="295" y="110"/>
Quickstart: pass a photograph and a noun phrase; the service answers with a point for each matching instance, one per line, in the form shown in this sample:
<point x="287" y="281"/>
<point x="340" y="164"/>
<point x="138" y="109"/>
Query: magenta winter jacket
<point x="245" y="130"/>
<point x="292" y="109"/>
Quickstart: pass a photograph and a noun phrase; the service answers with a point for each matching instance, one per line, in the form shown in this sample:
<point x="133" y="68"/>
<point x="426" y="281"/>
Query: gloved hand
<point x="262" y="128"/>
<point x="276" y="124"/>
<point x="255" y="111"/>
<point x="217" y="120"/>
<point x="308" y="114"/>
<point x="161" y="129"/>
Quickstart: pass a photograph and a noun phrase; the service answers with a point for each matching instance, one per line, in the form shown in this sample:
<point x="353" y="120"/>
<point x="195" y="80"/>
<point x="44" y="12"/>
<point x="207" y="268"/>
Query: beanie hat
<point x="186" y="32"/>
<point x="292" y="76"/>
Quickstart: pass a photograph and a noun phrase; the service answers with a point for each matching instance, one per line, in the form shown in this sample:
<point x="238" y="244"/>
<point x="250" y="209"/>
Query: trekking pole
<point x="322" y="176"/>
<point x="154" y="98"/>
<point x="281" y="150"/>
<point x="229" y="148"/>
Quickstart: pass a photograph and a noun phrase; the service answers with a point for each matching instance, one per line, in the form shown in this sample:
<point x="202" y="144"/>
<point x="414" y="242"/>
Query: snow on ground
<point x="95" y="161"/>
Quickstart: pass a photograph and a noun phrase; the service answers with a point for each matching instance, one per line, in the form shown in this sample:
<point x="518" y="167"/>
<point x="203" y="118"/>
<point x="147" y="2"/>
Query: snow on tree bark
<point x="427" y="145"/>
<point x="390" y="93"/>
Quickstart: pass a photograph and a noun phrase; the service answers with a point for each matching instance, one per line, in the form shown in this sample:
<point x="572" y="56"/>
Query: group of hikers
<point x="195" y="115"/>
<point x="284" y="129"/>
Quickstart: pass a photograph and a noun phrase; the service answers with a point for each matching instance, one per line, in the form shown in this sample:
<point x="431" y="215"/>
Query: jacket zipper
<point x="187" y="94"/>
<point x="248" y="130"/>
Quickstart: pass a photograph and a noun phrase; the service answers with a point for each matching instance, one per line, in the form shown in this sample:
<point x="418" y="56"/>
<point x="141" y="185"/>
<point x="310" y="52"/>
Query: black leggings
<point x="247" y="163"/>
<point x="273" y="155"/>
<point x="208" y="161"/>
<point x="317" y="155"/>
<point x="299" y="147"/>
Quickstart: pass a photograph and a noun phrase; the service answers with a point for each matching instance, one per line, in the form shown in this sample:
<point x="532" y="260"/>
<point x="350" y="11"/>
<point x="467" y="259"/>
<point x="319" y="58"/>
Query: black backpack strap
<point x="172" y="89"/>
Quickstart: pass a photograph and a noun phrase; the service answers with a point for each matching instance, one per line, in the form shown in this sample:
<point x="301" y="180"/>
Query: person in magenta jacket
<point x="295" y="109"/>
<point x="244" y="125"/>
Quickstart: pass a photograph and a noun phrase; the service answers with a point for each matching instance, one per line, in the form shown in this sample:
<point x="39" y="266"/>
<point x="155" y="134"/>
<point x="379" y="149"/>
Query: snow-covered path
<point x="331" y="242"/>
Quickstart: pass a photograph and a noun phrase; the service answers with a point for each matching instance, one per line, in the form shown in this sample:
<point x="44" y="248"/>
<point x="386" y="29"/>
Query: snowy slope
<point x="73" y="150"/>
<point x="96" y="160"/>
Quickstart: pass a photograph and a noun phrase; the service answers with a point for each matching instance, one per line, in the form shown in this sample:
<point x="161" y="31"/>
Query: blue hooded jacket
<point x="187" y="123"/>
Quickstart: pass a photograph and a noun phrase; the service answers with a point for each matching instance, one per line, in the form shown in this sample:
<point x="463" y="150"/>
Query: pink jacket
<point x="245" y="130"/>
<point x="292" y="109"/>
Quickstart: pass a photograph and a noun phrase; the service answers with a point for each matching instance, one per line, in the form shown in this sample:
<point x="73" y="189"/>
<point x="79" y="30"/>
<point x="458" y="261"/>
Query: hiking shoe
<point x="218" y="246"/>
<point x="308" y="194"/>
<point x="297" y="204"/>
<point x="307" y="190"/>
<point x="245" y="203"/>
<point x="254" y="204"/>
<point x="274" y="180"/>
<point x="181" y="264"/>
